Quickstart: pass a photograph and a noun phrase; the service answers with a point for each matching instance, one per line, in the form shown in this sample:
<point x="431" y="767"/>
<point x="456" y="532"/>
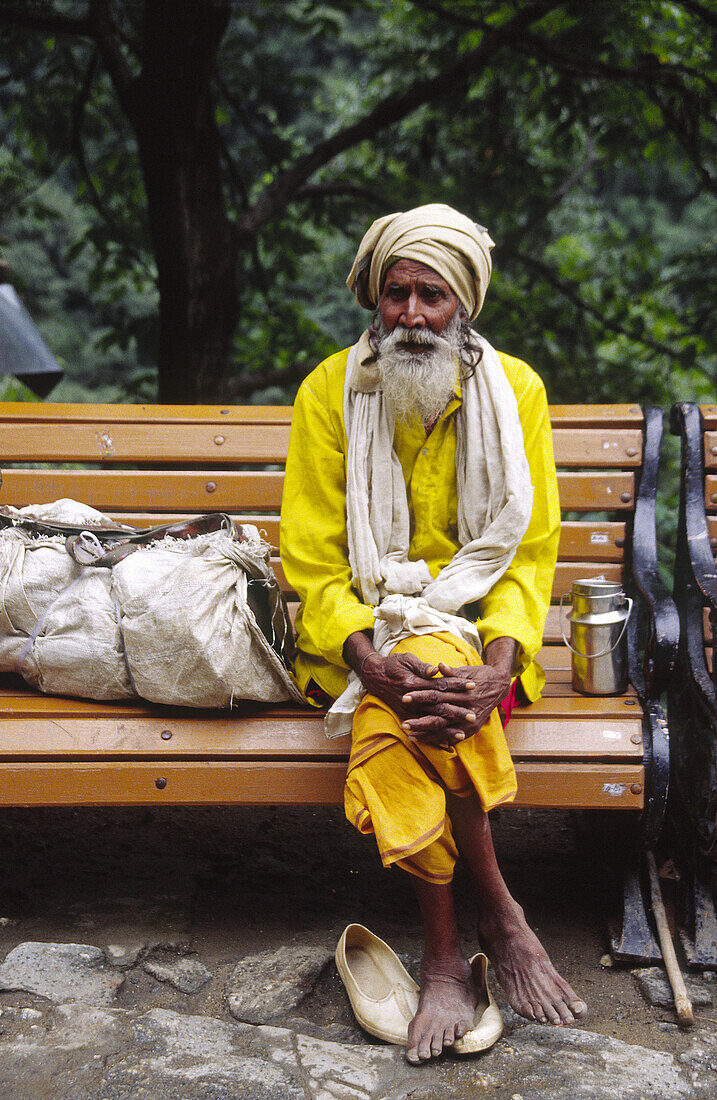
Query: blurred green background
<point x="183" y="184"/>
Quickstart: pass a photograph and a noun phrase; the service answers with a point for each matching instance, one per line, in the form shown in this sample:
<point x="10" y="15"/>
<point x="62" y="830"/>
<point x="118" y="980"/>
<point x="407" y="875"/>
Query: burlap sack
<point x="170" y="623"/>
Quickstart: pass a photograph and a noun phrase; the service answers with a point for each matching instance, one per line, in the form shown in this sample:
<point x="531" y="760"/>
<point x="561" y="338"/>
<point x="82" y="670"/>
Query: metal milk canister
<point x="598" y="620"/>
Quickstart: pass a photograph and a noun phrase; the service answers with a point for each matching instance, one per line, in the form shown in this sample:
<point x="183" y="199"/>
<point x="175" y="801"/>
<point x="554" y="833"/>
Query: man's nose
<point x="413" y="315"/>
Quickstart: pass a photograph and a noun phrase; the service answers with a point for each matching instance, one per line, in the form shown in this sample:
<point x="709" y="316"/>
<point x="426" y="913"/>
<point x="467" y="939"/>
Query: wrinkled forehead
<point x="400" y="270"/>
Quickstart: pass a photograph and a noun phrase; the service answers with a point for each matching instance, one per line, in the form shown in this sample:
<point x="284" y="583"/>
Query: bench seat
<point x="58" y="751"/>
<point x="148" y="465"/>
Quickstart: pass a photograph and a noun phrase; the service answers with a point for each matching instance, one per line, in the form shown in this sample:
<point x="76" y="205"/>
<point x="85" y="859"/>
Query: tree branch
<point x="78" y="152"/>
<point x="586" y="307"/>
<point x="235" y="175"/>
<point x="590" y="66"/>
<point x="657" y="79"/>
<point x="540" y="211"/>
<point x="391" y="109"/>
<point x="686" y="137"/>
<point x="95" y="24"/>
<point x="245" y="384"/>
<point x="106" y="36"/>
<point x="49" y="22"/>
<point x="457" y="18"/>
<point x="700" y="11"/>
<point x="272" y="148"/>
<point x="336" y="188"/>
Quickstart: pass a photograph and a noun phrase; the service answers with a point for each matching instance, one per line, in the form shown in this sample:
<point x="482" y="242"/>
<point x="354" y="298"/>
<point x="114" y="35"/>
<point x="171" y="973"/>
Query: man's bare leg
<point x="531" y="983"/>
<point x="447" y="1000"/>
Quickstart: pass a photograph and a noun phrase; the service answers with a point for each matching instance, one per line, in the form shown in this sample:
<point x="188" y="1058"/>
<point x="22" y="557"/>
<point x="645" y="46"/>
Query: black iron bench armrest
<point x="695" y="571"/>
<point x="650" y="679"/>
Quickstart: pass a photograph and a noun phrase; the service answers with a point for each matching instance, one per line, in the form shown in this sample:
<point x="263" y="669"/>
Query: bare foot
<point x="446" y="1007"/>
<point x="531" y="983"/>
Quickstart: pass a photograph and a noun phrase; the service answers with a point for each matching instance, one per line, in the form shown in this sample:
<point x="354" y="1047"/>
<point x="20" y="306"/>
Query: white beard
<point x="418" y="384"/>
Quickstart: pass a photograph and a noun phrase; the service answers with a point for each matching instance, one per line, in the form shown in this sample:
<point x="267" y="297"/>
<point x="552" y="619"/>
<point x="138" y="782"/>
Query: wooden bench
<point x="692" y="696"/>
<point x="151" y="464"/>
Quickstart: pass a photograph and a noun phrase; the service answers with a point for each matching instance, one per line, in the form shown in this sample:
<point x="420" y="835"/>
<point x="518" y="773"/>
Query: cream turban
<point x="435" y="235"/>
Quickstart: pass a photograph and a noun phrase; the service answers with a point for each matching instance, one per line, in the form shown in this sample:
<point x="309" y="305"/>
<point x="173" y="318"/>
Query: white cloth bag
<point x="170" y="623"/>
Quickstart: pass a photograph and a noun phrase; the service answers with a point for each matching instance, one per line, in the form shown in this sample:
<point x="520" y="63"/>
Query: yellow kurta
<point x="314" y="548"/>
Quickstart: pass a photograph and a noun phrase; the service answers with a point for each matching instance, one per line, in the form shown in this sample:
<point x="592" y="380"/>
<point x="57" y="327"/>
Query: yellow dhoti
<point x="396" y="787"/>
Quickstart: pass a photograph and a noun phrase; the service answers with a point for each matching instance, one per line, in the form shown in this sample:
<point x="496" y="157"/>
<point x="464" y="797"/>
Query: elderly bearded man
<point x="419" y="527"/>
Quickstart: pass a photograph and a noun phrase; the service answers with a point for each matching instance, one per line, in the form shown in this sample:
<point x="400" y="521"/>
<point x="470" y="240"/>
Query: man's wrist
<point x="500" y="656"/>
<point x="357" y="648"/>
<point x="369" y="655"/>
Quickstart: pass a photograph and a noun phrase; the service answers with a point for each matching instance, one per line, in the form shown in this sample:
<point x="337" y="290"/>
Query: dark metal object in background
<point x="654" y="616"/>
<point x="659" y="618"/>
<point x="692" y="698"/>
<point x="23" y="352"/>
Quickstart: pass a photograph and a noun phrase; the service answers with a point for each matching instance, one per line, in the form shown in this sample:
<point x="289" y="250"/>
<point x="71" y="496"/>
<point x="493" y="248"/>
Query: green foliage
<point x="13" y="390"/>
<point x="585" y="142"/>
<point x="99" y="331"/>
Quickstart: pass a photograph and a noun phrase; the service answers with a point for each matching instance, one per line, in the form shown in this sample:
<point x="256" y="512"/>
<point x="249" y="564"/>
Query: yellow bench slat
<point x="209" y="441"/>
<point x="529" y="736"/>
<point x="227" y="490"/>
<point x="118" y="783"/>
<point x="589" y="541"/>
<point x="611" y="447"/>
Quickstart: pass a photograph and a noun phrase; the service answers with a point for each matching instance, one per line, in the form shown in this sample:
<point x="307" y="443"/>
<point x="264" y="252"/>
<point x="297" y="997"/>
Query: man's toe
<point x="461" y="1029"/>
<point x="414" y="1051"/>
<point x="424" y="1050"/>
<point x="450" y="1035"/>
<point x="414" y="1038"/>
<point x="552" y="1015"/>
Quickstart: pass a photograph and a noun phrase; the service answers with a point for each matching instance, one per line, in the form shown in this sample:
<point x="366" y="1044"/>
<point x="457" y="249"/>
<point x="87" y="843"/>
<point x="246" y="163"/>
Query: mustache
<point x="402" y="336"/>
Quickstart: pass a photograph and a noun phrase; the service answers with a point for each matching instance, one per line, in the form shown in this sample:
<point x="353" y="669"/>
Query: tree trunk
<point x="195" y="246"/>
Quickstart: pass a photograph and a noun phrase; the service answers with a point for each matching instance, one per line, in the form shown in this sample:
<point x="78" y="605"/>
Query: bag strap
<point x="196" y="525"/>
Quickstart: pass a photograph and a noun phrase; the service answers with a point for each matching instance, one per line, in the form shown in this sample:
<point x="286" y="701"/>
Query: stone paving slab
<point x="61" y="972"/>
<point x="74" y="1051"/>
<point x="270" y="983"/>
<point x="185" y="973"/>
<point x="105" y="893"/>
<point x="655" y="987"/>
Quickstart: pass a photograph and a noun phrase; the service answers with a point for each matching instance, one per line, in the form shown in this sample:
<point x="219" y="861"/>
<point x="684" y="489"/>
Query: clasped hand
<point x="441" y="710"/>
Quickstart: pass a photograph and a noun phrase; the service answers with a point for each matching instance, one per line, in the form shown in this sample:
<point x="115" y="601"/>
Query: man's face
<point x="416" y="296"/>
<point x="419" y="332"/>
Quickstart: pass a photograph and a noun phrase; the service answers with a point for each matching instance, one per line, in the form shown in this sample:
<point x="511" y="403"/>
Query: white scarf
<point x="495" y="502"/>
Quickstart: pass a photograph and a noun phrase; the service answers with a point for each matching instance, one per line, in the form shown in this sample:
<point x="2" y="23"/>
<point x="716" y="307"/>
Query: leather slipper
<point x="383" y="995"/>
<point x="487" y="1021"/>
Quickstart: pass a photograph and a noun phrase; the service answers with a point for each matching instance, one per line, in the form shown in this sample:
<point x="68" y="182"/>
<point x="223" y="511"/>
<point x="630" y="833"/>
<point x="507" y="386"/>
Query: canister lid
<point x="593" y="586"/>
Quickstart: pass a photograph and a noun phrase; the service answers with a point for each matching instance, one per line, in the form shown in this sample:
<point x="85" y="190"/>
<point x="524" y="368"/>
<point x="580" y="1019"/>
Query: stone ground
<point x="187" y="953"/>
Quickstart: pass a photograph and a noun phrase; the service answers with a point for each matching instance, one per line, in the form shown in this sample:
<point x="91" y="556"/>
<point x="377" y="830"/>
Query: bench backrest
<point x="149" y="464"/>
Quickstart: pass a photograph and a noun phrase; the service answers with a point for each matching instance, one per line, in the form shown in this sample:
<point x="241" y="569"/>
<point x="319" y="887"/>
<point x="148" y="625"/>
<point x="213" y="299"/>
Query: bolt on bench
<point x="153" y="464"/>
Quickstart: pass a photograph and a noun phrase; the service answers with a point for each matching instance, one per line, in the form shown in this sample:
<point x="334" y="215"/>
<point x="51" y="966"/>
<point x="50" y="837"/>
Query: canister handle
<point x="603" y="652"/>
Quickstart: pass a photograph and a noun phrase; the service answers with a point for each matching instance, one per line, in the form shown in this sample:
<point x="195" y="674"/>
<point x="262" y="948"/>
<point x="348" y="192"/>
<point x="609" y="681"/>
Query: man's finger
<point x="431" y="697"/>
<point x="457" y="715"/>
<point x="415" y="664"/>
<point x="443" y="687"/>
<point x="428" y="724"/>
<point x="459" y="670"/>
<point x="442" y="717"/>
